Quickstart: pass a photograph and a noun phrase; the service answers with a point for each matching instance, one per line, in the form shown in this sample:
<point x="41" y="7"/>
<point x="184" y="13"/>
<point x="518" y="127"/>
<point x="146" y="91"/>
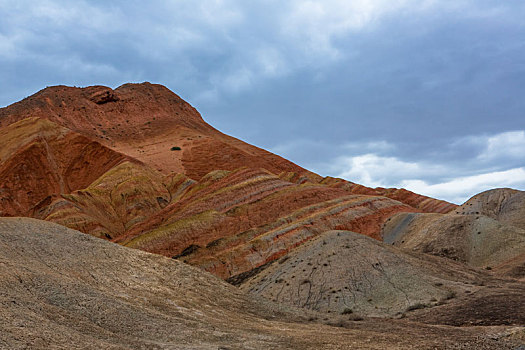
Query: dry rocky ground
<point x="486" y="232"/>
<point x="61" y="289"/>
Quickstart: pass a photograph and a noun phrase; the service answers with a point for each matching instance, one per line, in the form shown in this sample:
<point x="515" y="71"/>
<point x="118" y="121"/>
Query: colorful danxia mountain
<point x="127" y="222"/>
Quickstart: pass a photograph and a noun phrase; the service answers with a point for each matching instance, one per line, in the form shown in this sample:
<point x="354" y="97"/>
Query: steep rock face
<point x="146" y="121"/>
<point x="39" y="159"/>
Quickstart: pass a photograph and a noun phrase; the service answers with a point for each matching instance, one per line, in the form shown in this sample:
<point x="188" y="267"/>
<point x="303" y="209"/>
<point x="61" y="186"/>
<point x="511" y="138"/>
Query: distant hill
<point x="487" y="231"/>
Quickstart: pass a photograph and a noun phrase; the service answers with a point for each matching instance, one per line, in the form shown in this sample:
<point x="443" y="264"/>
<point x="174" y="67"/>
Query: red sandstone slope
<point x="420" y="202"/>
<point x="227" y="223"/>
<point x="231" y="222"/>
<point x="223" y="204"/>
<point x="145" y="121"/>
<point x="39" y="159"/>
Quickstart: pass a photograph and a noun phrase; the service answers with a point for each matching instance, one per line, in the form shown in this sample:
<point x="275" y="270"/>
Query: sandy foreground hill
<point x="62" y="289"/>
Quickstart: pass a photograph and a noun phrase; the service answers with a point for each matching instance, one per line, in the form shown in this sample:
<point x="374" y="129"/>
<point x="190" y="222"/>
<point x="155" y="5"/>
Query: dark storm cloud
<point x="382" y="92"/>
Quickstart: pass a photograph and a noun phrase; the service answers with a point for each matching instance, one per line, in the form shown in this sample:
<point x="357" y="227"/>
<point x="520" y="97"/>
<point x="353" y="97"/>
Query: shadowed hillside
<point x="39" y="159"/>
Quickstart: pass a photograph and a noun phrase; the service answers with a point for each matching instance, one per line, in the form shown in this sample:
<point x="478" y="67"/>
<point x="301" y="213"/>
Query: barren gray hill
<point x="350" y="275"/>
<point x="477" y="240"/>
<point x="503" y="204"/>
<point x="343" y="272"/>
<point x="61" y="289"/>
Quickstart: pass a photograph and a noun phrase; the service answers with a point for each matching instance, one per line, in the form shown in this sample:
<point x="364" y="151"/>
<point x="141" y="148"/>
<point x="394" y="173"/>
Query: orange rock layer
<point x="139" y="166"/>
<point x="420" y="202"/>
<point x="39" y="159"/>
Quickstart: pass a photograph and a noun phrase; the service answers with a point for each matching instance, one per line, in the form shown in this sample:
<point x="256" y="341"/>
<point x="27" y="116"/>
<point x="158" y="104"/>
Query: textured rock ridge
<point x="420" y="202"/>
<point x="487" y="231"/>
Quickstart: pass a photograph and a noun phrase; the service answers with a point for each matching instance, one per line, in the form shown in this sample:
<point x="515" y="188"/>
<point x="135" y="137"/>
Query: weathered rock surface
<point x="503" y="204"/>
<point x="420" y="202"/>
<point x="241" y="219"/>
<point x="236" y="221"/>
<point x="124" y="196"/>
<point x="145" y="121"/>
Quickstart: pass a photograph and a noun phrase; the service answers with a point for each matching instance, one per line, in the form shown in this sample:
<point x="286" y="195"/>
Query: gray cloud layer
<point x="423" y="94"/>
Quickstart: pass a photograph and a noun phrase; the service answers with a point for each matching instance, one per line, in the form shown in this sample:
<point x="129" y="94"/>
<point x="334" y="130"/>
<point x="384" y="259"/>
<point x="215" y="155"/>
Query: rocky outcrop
<point x="104" y="96"/>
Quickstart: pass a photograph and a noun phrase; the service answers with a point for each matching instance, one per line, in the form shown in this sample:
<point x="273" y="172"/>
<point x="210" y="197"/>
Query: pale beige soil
<point x="61" y="289"/>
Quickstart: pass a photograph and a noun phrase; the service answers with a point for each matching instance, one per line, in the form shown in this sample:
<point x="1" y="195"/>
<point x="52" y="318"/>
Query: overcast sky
<point x="426" y="95"/>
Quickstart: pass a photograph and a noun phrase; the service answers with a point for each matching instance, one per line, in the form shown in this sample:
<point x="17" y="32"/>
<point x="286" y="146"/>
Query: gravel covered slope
<point x="63" y="289"/>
